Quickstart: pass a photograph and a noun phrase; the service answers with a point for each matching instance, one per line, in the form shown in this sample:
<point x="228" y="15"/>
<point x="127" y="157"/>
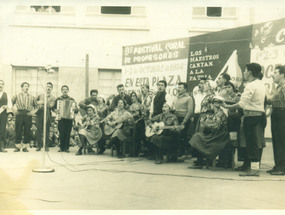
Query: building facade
<point x="71" y="37"/>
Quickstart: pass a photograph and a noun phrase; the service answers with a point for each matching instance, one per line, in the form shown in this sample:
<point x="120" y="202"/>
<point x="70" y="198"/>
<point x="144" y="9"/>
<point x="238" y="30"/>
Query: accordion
<point x="65" y="109"/>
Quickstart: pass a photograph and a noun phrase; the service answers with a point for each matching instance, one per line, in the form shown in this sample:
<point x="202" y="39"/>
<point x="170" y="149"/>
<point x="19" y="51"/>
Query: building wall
<point x="63" y="39"/>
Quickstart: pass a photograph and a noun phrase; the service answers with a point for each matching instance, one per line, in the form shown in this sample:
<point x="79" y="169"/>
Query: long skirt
<point x="165" y="141"/>
<point x="93" y="135"/>
<point x="210" y="145"/>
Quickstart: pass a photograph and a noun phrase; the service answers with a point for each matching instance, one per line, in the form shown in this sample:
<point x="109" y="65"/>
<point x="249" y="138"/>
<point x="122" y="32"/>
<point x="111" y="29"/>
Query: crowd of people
<point x="206" y="123"/>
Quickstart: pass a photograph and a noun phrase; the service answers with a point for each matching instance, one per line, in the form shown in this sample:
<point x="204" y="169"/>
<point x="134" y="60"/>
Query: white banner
<point x="173" y="72"/>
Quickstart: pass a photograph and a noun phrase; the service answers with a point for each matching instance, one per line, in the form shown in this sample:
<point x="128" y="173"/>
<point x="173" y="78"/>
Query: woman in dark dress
<point x="165" y="142"/>
<point x="213" y="135"/>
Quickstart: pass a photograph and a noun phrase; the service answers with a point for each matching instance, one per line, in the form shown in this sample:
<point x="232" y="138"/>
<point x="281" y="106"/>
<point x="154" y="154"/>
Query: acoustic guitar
<point x="93" y="128"/>
<point x="158" y="128"/>
<point x="109" y="129"/>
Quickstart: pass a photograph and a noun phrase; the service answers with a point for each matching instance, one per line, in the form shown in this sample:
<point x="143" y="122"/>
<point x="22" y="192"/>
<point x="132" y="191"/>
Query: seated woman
<point x="213" y="135"/>
<point x="90" y="132"/>
<point x="102" y="110"/>
<point x="138" y="112"/>
<point x="165" y="143"/>
<point x="119" y="121"/>
<point x="208" y="89"/>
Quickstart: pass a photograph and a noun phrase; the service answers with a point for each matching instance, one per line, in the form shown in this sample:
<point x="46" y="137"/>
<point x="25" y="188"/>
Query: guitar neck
<point x="169" y="127"/>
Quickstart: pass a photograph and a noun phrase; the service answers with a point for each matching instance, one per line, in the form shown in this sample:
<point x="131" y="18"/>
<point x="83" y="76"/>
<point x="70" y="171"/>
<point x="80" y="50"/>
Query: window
<point x="224" y="12"/>
<point x="115" y="10"/>
<point x="214" y="11"/>
<point x="108" y="81"/>
<point x="36" y="78"/>
<point x="45" y="9"/>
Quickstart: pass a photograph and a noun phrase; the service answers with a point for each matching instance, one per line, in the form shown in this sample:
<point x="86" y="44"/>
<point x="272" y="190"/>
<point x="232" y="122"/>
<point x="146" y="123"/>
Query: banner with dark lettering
<point x="268" y="48"/>
<point x="148" y="63"/>
<point x="213" y="54"/>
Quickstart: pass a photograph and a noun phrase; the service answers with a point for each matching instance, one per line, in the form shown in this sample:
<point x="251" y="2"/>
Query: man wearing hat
<point x="5" y="102"/>
<point x="252" y="103"/>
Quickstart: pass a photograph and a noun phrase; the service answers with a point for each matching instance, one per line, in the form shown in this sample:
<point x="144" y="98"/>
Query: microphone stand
<point x="43" y="168"/>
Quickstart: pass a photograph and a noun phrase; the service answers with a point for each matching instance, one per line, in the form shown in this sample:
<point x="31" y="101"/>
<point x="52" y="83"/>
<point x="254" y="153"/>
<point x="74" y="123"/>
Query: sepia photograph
<point x="142" y="107"/>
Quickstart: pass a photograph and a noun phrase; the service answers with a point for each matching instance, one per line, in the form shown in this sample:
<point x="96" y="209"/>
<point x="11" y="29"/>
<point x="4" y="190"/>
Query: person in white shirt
<point x="5" y="103"/>
<point x="252" y="103"/>
<point x="198" y="95"/>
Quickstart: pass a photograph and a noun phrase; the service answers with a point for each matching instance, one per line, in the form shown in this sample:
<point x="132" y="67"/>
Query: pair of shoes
<point x="276" y="172"/>
<point x="25" y="150"/>
<point x="78" y="153"/>
<point x="3" y="150"/>
<point x="46" y="149"/>
<point x="158" y="162"/>
<point x="242" y="168"/>
<point x="250" y="172"/>
<point x="38" y="149"/>
<point x="271" y="170"/>
<point x="220" y="164"/>
<point x="67" y="151"/>
<point x="184" y="157"/>
<point x="195" y="167"/>
<point x="16" y="150"/>
<point x="91" y="152"/>
<point x="101" y="152"/>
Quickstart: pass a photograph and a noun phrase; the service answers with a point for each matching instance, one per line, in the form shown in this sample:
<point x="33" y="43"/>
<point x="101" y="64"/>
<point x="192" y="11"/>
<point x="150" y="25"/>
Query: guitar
<point x="93" y="129"/>
<point x="109" y="129"/>
<point x="157" y="128"/>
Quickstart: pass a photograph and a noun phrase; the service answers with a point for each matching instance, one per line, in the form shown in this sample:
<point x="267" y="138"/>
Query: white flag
<point x="233" y="69"/>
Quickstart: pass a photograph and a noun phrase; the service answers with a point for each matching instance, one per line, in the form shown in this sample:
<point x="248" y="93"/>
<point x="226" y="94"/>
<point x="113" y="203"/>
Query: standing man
<point x="5" y="103"/>
<point x="160" y="98"/>
<point x="65" y="123"/>
<point x="92" y="100"/>
<point x="278" y="122"/>
<point x="146" y="98"/>
<point x="40" y="116"/>
<point x="198" y="95"/>
<point x="25" y="105"/>
<point x="184" y="110"/>
<point x="252" y="103"/>
<point x="122" y="95"/>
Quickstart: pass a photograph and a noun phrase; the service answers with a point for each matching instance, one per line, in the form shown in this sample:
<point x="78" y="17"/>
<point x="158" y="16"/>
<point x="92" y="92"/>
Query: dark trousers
<point x="23" y="122"/>
<point x="117" y="143"/>
<point x="40" y="130"/>
<point x="3" y="121"/>
<point x="185" y="136"/>
<point x="64" y="128"/>
<point x="250" y="124"/>
<point x="278" y="138"/>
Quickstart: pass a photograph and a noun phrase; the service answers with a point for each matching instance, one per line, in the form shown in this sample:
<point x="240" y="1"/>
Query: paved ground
<point x="91" y="182"/>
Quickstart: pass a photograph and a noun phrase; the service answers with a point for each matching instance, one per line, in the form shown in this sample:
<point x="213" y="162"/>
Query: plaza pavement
<point x="101" y="183"/>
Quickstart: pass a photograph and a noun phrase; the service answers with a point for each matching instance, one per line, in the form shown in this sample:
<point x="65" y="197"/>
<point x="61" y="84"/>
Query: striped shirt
<point x="24" y="101"/>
